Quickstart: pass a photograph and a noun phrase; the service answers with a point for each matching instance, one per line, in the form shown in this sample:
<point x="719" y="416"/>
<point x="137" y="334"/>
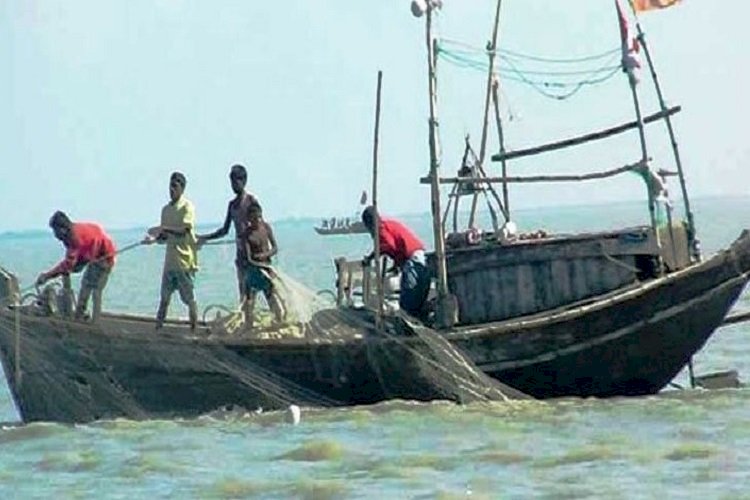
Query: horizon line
<point x="298" y="218"/>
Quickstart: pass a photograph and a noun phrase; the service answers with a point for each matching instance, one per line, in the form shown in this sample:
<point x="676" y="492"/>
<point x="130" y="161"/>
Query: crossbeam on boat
<point x="537" y="178"/>
<point x="594" y="136"/>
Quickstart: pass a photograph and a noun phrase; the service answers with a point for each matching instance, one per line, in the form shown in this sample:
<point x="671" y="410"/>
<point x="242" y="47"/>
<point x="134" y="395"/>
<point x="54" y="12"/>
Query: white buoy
<point x="293" y="414"/>
<point x="508" y="233"/>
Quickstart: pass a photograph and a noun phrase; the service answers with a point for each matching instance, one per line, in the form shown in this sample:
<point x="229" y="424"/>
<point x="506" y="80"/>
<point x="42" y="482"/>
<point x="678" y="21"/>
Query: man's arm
<point x="222" y="231"/>
<point x="63" y="267"/>
<point x="187" y="223"/>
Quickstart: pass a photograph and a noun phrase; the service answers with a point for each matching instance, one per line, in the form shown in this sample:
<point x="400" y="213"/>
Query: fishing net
<point x="75" y="371"/>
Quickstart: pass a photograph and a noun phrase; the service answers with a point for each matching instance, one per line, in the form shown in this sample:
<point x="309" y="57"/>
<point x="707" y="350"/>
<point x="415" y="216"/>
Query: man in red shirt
<point x="86" y="245"/>
<point x="400" y="244"/>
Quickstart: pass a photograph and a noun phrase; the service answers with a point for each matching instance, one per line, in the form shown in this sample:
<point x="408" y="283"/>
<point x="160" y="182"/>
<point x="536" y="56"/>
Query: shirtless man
<point x="236" y="215"/>
<point x="260" y="247"/>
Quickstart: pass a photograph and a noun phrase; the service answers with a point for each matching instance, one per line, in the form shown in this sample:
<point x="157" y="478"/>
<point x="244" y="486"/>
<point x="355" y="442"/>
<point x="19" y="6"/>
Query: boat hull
<point x="605" y="353"/>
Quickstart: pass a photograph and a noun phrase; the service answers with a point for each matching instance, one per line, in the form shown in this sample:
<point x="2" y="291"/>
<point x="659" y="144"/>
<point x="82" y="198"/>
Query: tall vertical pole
<point x="628" y="65"/>
<point x="644" y="159"/>
<point x="491" y="47"/>
<point x="670" y="129"/>
<point x="501" y="140"/>
<point x="378" y="281"/>
<point x="440" y="265"/>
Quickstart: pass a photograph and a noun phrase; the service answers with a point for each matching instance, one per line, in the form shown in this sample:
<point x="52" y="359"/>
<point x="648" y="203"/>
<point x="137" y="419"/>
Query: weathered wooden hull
<point x="628" y="342"/>
<point x="494" y="282"/>
<point x="72" y="372"/>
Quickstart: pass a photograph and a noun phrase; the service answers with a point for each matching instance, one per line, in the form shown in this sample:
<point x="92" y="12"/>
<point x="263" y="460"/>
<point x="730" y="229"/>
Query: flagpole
<point x="376" y="233"/>
<point x="629" y="70"/>
<point x="668" y="120"/>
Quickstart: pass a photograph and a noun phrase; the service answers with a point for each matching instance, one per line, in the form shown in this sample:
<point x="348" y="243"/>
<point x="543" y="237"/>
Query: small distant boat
<point x="342" y="226"/>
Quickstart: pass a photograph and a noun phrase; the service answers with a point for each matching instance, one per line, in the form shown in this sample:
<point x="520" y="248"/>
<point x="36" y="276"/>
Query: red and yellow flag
<point x="644" y="5"/>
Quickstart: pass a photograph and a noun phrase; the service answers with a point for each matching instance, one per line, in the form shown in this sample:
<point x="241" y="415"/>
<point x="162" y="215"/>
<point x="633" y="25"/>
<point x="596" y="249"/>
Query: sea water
<point x="692" y="443"/>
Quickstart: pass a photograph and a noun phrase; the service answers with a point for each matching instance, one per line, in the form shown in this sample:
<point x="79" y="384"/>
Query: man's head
<point x="369" y="216"/>
<point x="177" y="183"/>
<point x="61" y="225"/>
<point x="238" y="178"/>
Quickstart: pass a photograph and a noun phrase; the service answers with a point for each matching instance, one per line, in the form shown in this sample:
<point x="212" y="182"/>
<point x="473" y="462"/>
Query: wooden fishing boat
<point x="630" y="341"/>
<point x="596" y="314"/>
<point x="60" y="369"/>
<point x="348" y="227"/>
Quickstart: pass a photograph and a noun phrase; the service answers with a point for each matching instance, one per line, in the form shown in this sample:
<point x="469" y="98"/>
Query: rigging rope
<point x="476" y="59"/>
<point x="519" y="55"/>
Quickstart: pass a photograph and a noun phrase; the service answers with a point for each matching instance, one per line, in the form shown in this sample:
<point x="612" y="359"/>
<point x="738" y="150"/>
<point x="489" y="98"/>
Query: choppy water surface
<point x="676" y="444"/>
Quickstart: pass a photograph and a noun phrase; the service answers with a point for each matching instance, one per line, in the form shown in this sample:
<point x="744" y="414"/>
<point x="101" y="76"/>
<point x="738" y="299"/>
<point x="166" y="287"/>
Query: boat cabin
<point x="494" y="280"/>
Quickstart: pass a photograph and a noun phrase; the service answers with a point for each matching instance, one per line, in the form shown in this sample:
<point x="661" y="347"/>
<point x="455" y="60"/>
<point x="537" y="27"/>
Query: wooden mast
<point x="501" y="140"/>
<point x="445" y="312"/>
<point x="491" y="47"/>
<point x="376" y="235"/>
<point x="629" y="66"/>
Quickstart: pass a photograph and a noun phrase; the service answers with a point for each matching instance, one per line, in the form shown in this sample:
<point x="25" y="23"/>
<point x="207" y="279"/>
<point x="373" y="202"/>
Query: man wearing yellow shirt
<point x="177" y="231"/>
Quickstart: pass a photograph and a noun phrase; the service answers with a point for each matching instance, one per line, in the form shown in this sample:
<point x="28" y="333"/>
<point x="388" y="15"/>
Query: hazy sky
<point x="101" y="100"/>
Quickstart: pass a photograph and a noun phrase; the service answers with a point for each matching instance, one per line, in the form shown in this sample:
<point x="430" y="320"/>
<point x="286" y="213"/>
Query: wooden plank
<point x="587" y="137"/>
<point x="518" y="179"/>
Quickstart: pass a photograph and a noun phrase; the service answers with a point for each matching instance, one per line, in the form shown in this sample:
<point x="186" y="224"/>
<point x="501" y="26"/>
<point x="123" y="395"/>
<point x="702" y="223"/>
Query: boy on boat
<point x="260" y="246"/>
<point x="87" y="245"/>
<point x="236" y="215"/>
<point x="177" y="231"/>
<point x="400" y="244"/>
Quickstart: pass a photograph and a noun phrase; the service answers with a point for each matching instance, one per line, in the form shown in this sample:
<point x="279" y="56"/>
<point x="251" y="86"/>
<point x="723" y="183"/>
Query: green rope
<point x="594" y="76"/>
<point x="470" y="49"/>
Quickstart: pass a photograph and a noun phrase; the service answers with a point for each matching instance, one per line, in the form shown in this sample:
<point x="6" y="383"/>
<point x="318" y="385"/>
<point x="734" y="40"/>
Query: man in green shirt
<point x="177" y="231"/>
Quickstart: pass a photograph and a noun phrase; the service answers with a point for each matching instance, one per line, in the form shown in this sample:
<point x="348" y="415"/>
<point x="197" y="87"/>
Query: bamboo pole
<point x="453" y="198"/>
<point x="491" y="46"/>
<point x="501" y="140"/>
<point x="439" y="237"/>
<point x="670" y="129"/>
<point x="379" y="282"/>
<point x="536" y="178"/>
<point x="632" y="82"/>
<point x="603" y="134"/>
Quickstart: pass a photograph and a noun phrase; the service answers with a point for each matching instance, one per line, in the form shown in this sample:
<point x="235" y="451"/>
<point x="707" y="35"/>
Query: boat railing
<point x="355" y="281"/>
